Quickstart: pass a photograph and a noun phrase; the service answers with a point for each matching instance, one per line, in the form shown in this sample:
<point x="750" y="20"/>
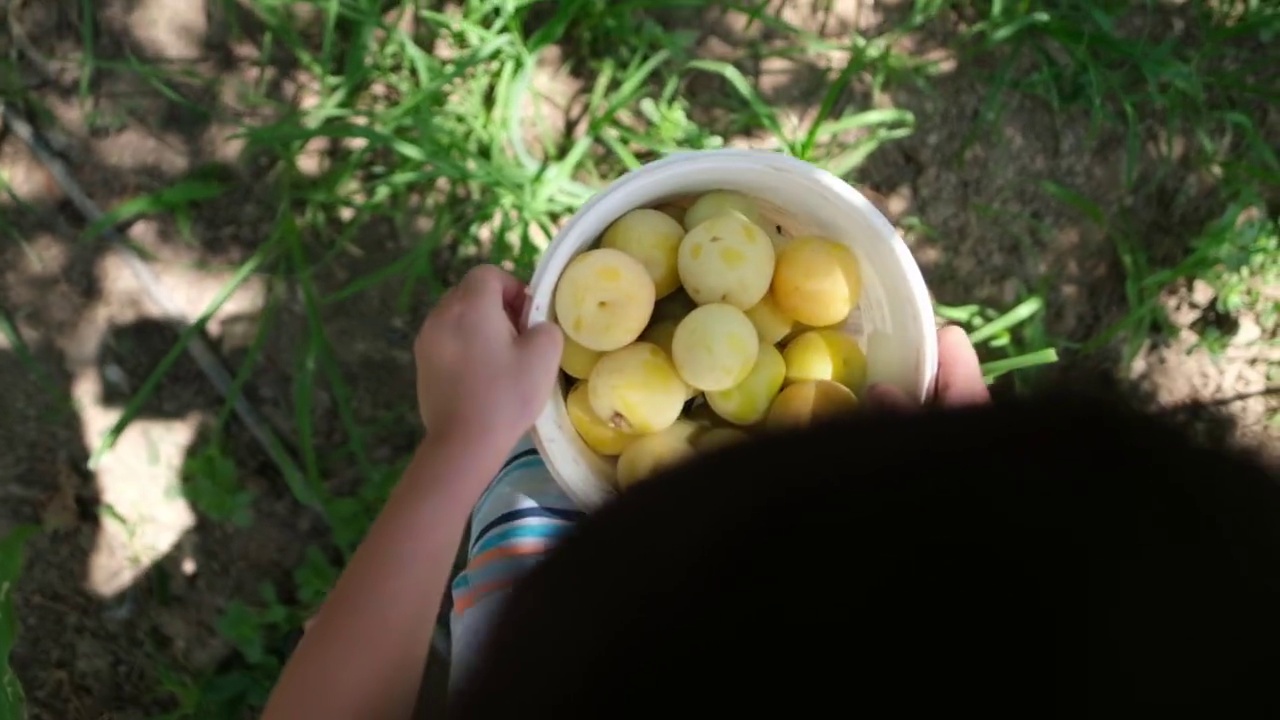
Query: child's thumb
<point x="960" y="380"/>
<point x="541" y="347"/>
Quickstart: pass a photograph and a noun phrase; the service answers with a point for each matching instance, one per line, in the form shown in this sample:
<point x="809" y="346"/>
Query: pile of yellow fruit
<point x="686" y="328"/>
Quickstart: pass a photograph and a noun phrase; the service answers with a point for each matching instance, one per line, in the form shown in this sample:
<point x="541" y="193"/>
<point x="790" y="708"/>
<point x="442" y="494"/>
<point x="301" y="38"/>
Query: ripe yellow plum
<point x="715" y="347"/>
<point x="653" y="238"/>
<point x="651" y="453"/>
<point x="661" y="333"/>
<point x="826" y="355"/>
<point x="718" y="203"/>
<point x="797" y="331"/>
<point x="771" y="323"/>
<point x="596" y="433"/>
<point x="803" y="403"/>
<point x="726" y="259"/>
<point x="718" y="438"/>
<point x="817" y="281"/>
<point x="851" y="365"/>
<point x="604" y="299"/>
<point x="809" y="357"/>
<point x="636" y="389"/>
<point x="576" y="360"/>
<point x="748" y="402"/>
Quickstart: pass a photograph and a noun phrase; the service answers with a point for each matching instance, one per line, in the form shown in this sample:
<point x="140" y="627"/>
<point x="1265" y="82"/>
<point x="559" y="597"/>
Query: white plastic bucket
<point x="894" y="322"/>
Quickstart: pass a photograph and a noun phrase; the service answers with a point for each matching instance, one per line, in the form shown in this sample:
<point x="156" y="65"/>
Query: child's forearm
<point x="364" y="655"/>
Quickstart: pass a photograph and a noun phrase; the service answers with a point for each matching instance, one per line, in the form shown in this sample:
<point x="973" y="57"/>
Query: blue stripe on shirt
<point x="510" y="464"/>
<point x="543" y="529"/>
<point x="528" y="512"/>
<point x="510" y="566"/>
<point x="523" y="460"/>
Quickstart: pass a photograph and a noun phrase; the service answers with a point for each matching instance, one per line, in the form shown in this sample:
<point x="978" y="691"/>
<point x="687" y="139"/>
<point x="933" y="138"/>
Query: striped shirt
<point x="517" y="520"/>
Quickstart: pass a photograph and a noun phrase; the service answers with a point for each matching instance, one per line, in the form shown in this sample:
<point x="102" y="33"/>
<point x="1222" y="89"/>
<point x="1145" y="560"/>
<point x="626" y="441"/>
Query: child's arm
<point x="480" y="386"/>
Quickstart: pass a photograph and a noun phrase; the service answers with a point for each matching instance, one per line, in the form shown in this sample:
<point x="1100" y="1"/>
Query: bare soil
<point x="111" y="596"/>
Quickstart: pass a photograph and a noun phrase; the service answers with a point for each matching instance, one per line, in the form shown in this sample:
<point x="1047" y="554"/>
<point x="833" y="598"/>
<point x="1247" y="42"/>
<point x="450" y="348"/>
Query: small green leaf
<point x="212" y="485"/>
<point x="314" y="577"/>
<point x="241" y="627"/>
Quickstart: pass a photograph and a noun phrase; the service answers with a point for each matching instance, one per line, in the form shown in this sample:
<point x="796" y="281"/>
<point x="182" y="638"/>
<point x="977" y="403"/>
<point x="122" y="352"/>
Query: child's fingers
<point x="526" y="308"/>
<point x="517" y="308"/>
<point x="886" y="398"/>
<point x="959" y="372"/>
<point x="493" y="294"/>
<point x="490" y="282"/>
<point x="541" y="347"/>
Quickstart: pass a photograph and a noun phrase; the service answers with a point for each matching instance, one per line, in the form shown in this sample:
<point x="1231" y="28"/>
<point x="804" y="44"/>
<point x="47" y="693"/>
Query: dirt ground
<point x="111" y="595"/>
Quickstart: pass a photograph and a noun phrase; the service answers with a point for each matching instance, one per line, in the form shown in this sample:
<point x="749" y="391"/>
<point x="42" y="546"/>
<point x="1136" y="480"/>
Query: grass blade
<point x="635" y="78"/>
<point x="1079" y="202"/>
<point x="738" y="81"/>
<point x="962" y="314"/>
<point x="243" y="374"/>
<point x="320" y="356"/>
<point x="1022" y="312"/>
<point x="867" y="118"/>
<point x="152" y="381"/>
<point x="996" y="368"/>
<point x="173" y="198"/>
<point x="847" y="162"/>
<point x="553" y="29"/>
<point x="19" y="347"/>
<point x="12" y="699"/>
<point x="837" y="88"/>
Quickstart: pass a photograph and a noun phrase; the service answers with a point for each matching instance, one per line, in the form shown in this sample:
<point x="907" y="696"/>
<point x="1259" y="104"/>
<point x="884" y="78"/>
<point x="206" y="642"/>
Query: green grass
<point x="1184" y="92"/>
<point x="12" y="704"/>
<point x="427" y="115"/>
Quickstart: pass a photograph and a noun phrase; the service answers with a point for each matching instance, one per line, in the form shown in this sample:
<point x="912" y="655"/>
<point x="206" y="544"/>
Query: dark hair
<point x="1037" y="558"/>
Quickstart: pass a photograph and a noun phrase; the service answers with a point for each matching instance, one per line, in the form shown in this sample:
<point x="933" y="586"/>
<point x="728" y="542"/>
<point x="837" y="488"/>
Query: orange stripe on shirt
<point x="533" y="546"/>
<point x="477" y="593"/>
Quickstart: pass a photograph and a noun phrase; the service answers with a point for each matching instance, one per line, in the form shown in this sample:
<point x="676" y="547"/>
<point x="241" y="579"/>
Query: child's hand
<point x="478" y="375"/>
<point x="960" y="379"/>
<point x="959" y="383"/>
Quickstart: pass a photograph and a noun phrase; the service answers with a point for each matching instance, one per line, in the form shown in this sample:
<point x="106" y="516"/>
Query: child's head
<point x="1032" y="559"/>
